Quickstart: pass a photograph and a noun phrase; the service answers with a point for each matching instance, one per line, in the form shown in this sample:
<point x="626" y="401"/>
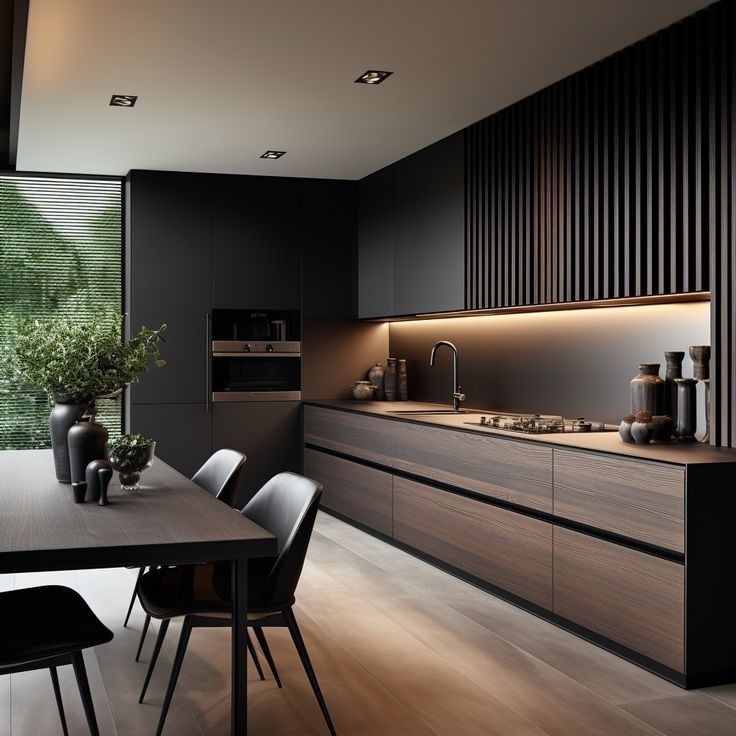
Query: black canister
<point x="92" y="476"/>
<point x="391" y="380"/>
<point x="86" y="441"/>
<point x="673" y="371"/>
<point x="403" y="384"/>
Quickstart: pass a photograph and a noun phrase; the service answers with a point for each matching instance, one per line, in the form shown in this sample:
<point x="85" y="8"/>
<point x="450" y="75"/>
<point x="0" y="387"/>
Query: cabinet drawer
<point x="353" y="434"/>
<point x="518" y="472"/>
<point x="628" y="596"/>
<point x="506" y="549"/>
<point x="645" y="501"/>
<point x="360" y="493"/>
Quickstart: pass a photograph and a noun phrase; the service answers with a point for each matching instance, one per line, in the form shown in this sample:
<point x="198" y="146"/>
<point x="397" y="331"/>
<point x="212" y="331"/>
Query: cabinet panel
<point x="255" y="236"/>
<point x="506" y="549"/>
<point x="645" y="501"/>
<point x="182" y="433"/>
<point x="169" y="264"/>
<point x="353" y="434"/>
<point x="625" y="595"/>
<point x="360" y="493"/>
<point x="517" y="472"/>
<point x="329" y="236"/>
<point x="376" y="244"/>
<point x="267" y="432"/>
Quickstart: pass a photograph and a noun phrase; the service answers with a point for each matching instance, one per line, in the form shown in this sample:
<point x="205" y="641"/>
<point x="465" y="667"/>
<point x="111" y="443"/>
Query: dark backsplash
<point x="574" y="363"/>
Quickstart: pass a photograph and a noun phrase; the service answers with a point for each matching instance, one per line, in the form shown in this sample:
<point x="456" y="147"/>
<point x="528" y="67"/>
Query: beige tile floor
<point x="400" y="648"/>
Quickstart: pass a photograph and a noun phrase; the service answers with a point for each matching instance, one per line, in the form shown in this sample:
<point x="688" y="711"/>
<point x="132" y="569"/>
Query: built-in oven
<point x="250" y="369"/>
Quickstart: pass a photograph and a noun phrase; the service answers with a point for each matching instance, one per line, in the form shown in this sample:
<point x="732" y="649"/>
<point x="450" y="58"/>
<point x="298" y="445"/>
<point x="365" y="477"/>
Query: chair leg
<point x="304" y="656"/>
<point x="260" y="635"/>
<point x="254" y="656"/>
<point x="162" y="629"/>
<point x="141" y="570"/>
<point x="83" y="684"/>
<point x="181" y="649"/>
<point x="143" y="638"/>
<point x="59" y="701"/>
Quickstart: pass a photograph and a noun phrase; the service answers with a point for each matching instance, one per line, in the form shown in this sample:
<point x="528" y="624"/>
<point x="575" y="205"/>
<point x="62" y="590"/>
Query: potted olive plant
<point x="75" y="362"/>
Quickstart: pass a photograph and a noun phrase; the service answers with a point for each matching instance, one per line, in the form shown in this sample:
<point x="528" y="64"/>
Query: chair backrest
<point x="287" y="507"/>
<point x="221" y="475"/>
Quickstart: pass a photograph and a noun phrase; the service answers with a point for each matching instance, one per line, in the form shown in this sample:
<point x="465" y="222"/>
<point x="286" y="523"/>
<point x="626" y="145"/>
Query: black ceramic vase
<point x="86" y="441"/>
<point x="391" y="380"/>
<point x="673" y="371"/>
<point x="64" y="415"/>
<point x="647" y="389"/>
<point x="375" y="376"/>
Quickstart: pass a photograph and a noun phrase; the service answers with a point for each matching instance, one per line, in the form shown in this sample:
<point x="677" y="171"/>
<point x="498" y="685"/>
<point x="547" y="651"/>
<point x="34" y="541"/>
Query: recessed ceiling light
<point x="372" y="76"/>
<point x="273" y="154"/>
<point x="123" y="100"/>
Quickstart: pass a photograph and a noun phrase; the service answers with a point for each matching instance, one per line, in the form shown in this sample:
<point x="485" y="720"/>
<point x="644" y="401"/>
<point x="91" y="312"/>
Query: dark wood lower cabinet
<point x="182" y="432"/>
<point x="630" y="597"/>
<point x="353" y="490"/>
<point x="501" y="547"/>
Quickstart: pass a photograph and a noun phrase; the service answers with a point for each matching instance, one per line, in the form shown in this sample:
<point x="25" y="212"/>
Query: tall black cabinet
<point x="198" y="242"/>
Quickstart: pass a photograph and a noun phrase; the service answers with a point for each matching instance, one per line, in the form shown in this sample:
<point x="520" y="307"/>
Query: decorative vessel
<point x="391" y="380"/>
<point x="641" y="428"/>
<point x="86" y="440"/>
<point x="375" y="376"/>
<point x="130" y="455"/>
<point x="64" y="415"/>
<point x="672" y="371"/>
<point x="403" y="382"/>
<point x="624" y="429"/>
<point x="647" y="389"/>
<point x="663" y="427"/>
<point x="105" y="476"/>
<point x="700" y="355"/>
<point x="686" y="409"/>
<point x="363" y="390"/>
<point x="79" y="489"/>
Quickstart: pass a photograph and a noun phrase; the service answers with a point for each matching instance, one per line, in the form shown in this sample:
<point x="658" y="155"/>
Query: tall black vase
<point x="86" y="441"/>
<point x="64" y="415"/>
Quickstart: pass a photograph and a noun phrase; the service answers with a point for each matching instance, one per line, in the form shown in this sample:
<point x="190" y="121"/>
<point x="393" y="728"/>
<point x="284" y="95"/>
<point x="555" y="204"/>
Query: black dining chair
<point x="286" y="506"/>
<point x="47" y="627"/>
<point x="220" y="476"/>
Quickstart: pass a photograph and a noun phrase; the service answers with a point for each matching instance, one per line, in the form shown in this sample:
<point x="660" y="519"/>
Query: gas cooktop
<point x="540" y="424"/>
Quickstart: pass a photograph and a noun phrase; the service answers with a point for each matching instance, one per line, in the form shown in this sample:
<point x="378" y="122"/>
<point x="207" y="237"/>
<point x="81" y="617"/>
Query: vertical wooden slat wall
<point x="617" y="181"/>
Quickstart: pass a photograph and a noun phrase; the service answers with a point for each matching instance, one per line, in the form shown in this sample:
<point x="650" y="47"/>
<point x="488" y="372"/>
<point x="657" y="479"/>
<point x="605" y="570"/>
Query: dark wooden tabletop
<point x="170" y="520"/>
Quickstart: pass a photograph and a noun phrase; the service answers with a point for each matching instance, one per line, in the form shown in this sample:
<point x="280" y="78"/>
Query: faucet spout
<point x="457" y="391"/>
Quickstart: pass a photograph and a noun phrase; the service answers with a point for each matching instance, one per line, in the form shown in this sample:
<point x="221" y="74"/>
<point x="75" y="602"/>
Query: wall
<point x="574" y="363"/>
<point x="335" y="353"/>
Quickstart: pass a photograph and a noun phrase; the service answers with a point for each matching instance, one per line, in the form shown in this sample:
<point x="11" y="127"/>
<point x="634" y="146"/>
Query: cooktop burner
<point x="540" y="424"/>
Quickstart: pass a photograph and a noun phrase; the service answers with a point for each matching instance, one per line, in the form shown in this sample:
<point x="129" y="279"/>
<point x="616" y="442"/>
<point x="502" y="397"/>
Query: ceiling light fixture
<point x="372" y="76"/>
<point x="123" y="100"/>
<point x="273" y="154"/>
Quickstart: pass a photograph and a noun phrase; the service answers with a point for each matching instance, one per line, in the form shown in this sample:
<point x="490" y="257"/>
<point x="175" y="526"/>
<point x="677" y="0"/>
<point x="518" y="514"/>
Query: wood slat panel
<point x="628" y="596"/>
<point x="353" y="490"/>
<point x="644" y="501"/>
<point x="509" y="550"/>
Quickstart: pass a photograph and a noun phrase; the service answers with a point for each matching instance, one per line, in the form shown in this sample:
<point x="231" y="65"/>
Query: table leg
<point x="239" y="684"/>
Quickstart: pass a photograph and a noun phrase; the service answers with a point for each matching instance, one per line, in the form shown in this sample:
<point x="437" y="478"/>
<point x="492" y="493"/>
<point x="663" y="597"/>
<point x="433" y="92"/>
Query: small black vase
<point x="93" y="477"/>
<point x="64" y="415"/>
<point x="86" y="441"/>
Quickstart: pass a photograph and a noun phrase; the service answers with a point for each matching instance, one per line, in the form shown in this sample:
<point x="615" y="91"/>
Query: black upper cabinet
<point x="329" y="233"/>
<point x="412" y="234"/>
<point x="169" y="279"/>
<point x="376" y="244"/>
<point x="255" y="235"/>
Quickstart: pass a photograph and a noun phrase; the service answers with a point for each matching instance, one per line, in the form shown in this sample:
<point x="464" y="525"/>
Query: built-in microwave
<point x="244" y="370"/>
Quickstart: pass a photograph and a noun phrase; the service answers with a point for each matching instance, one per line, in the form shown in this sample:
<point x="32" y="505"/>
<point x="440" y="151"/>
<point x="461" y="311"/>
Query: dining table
<point x="170" y="520"/>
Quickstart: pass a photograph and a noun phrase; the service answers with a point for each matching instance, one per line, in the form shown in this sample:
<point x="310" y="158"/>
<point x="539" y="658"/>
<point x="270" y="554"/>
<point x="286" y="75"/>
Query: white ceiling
<point x="221" y="81"/>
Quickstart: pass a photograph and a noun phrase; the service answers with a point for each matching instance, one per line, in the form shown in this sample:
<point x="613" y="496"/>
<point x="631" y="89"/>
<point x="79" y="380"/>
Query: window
<point x="60" y="253"/>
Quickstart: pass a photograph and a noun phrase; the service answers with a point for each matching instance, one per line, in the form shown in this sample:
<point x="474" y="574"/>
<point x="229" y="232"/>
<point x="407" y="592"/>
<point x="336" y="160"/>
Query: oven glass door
<point x="256" y="378"/>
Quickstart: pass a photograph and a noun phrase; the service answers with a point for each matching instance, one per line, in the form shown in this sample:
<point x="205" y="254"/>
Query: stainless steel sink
<point x="429" y="412"/>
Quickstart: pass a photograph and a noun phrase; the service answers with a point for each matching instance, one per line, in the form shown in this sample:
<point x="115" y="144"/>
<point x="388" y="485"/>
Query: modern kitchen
<point x="368" y="370"/>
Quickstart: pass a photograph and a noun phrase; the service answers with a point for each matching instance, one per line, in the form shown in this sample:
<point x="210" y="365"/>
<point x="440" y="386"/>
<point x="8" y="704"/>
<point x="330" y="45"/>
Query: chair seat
<point x="188" y="589"/>
<point x="46" y="621"/>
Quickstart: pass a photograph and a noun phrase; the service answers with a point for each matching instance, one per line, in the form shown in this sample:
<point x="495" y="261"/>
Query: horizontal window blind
<point x="60" y="254"/>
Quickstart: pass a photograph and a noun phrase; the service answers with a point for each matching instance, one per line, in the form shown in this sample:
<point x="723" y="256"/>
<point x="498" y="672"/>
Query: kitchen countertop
<point x="680" y="453"/>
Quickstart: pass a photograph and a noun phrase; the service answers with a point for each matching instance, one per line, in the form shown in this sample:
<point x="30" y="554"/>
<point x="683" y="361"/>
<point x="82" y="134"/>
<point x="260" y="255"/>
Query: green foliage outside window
<point x="60" y="255"/>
